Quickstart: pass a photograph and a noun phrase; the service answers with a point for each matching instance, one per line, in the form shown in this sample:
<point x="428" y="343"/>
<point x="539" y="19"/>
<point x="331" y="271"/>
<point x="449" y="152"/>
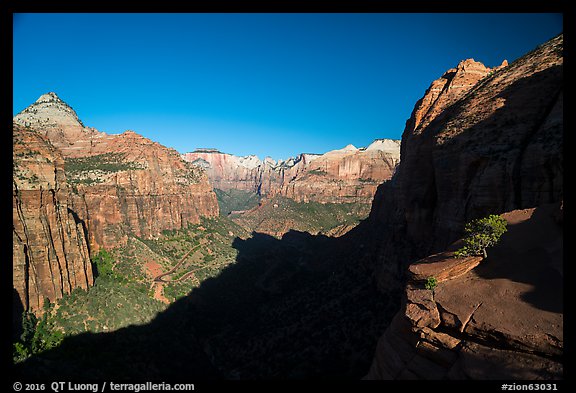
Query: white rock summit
<point x="48" y="110"/>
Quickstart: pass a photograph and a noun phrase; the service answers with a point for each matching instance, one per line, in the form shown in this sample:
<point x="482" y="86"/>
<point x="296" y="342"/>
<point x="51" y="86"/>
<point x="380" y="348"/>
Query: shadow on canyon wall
<point x="511" y="159"/>
<point x="17" y="310"/>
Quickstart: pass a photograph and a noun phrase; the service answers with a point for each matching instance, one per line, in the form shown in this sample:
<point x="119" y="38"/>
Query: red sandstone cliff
<point x="345" y="175"/>
<point x="227" y="171"/>
<point x="479" y="142"/>
<point x="339" y="176"/>
<point x="147" y="188"/>
<point x="496" y="149"/>
<point x="122" y="183"/>
<point x="50" y="252"/>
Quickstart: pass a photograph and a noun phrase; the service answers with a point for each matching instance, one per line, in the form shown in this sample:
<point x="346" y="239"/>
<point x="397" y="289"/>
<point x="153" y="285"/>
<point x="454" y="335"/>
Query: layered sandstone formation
<point x="227" y="171"/>
<point x="144" y="188"/>
<point x="59" y="123"/>
<point x="49" y="246"/>
<point x="122" y="183"/>
<point x="480" y="142"/>
<point x="346" y="175"/>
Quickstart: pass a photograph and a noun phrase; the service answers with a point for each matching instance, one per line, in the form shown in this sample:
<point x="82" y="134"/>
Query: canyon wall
<point x="50" y="249"/>
<point x="77" y="190"/>
<point x="481" y="141"/>
<point x="227" y="171"/>
<point x="131" y="185"/>
<point x="339" y="176"/>
<point x="122" y="183"/>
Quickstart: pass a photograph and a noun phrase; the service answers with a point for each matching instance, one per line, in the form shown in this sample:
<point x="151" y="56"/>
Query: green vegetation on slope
<point x="122" y="294"/>
<point x="235" y="200"/>
<point x="125" y="293"/>
<point x="38" y="335"/>
<point x="290" y="308"/>
<point x="85" y="170"/>
<point x="212" y="245"/>
<point x="109" y="305"/>
<point x="281" y="214"/>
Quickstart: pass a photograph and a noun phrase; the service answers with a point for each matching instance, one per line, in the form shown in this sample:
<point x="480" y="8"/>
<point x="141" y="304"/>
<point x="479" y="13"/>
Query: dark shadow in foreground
<point x="17" y="311"/>
<point x="303" y="306"/>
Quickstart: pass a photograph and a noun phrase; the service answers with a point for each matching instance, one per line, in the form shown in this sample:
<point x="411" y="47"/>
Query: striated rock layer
<point x="227" y="171"/>
<point x="50" y="250"/>
<point x="122" y="183"/>
<point x="144" y="189"/>
<point x="339" y="176"/>
<point x="479" y="142"/>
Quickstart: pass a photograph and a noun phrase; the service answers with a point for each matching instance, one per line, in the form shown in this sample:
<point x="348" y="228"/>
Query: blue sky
<point x="266" y="84"/>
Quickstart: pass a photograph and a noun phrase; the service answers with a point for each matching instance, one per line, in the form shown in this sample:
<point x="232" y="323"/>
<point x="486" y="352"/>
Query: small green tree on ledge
<point x="431" y="283"/>
<point x="481" y="234"/>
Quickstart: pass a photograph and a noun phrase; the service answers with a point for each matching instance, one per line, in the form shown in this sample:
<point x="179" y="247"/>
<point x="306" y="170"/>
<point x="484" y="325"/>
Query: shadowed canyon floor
<point x="296" y="307"/>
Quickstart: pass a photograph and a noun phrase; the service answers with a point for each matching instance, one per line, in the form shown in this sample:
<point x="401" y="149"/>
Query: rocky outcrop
<point x="121" y="183"/>
<point x="346" y="175"/>
<point x="445" y="91"/>
<point x="480" y="142"/>
<point x="497" y="148"/>
<point x="443" y="266"/>
<point x="49" y="246"/>
<point x="500" y="320"/>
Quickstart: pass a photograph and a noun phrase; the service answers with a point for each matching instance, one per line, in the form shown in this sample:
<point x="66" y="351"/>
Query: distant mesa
<point x="207" y="150"/>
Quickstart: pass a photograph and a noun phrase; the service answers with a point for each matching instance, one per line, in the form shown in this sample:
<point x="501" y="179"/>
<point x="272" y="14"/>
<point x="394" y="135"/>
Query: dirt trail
<point x="159" y="278"/>
<point x="158" y="281"/>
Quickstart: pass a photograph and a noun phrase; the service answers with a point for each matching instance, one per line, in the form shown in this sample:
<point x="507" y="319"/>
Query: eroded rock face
<point x="492" y="144"/>
<point x="445" y="91"/>
<point x="121" y="183"/>
<point x="488" y="147"/>
<point x="345" y="175"/>
<point x="129" y="184"/>
<point x="340" y="176"/>
<point x="50" y="250"/>
<point x="227" y="171"/>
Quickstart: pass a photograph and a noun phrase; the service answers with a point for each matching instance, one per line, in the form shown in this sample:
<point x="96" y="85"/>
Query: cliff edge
<point x="481" y="141"/>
